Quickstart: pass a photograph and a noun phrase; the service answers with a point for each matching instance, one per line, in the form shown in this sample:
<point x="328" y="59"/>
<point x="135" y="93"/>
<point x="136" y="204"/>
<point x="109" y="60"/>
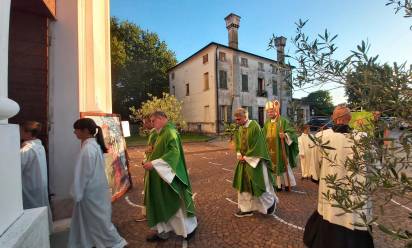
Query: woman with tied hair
<point x="91" y="224"/>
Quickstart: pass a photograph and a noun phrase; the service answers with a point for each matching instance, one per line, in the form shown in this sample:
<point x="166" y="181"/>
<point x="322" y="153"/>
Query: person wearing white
<point x="91" y="224"/>
<point x="329" y="226"/>
<point x="306" y="152"/>
<point x="34" y="169"/>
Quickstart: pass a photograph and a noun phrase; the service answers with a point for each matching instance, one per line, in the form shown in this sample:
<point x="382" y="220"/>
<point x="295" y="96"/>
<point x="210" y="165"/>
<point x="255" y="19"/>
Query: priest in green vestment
<point x="168" y="193"/>
<point x="277" y="128"/>
<point x="253" y="178"/>
<point x="148" y="126"/>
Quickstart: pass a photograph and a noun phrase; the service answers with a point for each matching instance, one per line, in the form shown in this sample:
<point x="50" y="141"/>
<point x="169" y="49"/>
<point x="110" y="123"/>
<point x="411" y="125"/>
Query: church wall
<point x="28" y="67"/>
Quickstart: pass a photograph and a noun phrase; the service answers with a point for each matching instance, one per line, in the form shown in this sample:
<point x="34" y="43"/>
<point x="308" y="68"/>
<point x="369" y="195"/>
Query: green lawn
<point x="186" y="137"/>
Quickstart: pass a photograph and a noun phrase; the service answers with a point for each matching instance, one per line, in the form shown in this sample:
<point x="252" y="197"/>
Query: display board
<point x="117" y="162"/>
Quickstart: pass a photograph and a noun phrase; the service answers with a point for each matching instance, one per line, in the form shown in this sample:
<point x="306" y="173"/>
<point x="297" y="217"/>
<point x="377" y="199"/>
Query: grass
<point x="137" y="140"/>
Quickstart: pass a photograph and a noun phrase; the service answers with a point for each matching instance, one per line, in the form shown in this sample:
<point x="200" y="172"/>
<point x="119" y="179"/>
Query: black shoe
<point x="155" y="238"/>
<point x="287" y="189"/>
<point x="191" y="235"/>
<point x="278" y="189"/>
<point x="241" y="214"/>
<point x="271" y="210"/>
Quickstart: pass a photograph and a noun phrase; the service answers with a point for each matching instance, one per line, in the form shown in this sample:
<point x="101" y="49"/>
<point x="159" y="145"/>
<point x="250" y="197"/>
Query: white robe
<point x="283" y="180"/>
<point x="342" y="143"/>
<point x="247" y="202"/>
<point x="180" y="224"/>
<point x="306" y="154"/>
<point x="34" y="176"/>
<point x="91" y="223"/>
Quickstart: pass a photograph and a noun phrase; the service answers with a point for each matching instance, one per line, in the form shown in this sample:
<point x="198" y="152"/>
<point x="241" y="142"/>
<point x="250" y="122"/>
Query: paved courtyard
<point x="211" y="168"/>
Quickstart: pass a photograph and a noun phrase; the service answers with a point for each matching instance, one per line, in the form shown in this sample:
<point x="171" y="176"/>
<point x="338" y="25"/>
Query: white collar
<point x="247" y="123"/>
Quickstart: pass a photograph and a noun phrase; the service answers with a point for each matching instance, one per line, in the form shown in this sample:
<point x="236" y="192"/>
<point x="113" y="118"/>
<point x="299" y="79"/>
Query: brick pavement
<point x="211" y="171"/>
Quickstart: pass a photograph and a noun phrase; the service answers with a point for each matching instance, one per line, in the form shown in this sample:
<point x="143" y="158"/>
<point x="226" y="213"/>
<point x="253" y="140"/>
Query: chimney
<point x="280" y="43"/>
<point x="232" y="25"/>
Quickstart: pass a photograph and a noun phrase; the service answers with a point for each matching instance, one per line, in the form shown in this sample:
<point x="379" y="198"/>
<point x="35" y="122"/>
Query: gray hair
<point x="241" y="112"/>
<point x="159" y="114"/>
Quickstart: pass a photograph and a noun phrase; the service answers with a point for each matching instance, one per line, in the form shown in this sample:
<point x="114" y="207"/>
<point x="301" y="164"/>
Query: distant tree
<point x="377" y="87"/>
<point x="320" y="102"/>
<point x="140" y="61"/>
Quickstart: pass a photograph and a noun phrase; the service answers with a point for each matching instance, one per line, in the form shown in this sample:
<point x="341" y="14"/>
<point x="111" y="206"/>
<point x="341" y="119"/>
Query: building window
<point x="225" y="113"/>
<point x="274" y="69"/>
<point x="275" y="87"/>
<point x="243" y="62"/>
<point x="174" y="90"/>
<point x="206" y="113"/>
<point x="222" y="79"/>
<point x="245" y="83"/>
<point x="205" y="58"/>
<point x="187" y="89"/>
<point x="222" y="56"/>
<point x="260" y="66"/>
<point x="172" y="75"/>
<point x="206" y="81"/>
<point x="261" y="88"/>
<point x="249" y="111"/>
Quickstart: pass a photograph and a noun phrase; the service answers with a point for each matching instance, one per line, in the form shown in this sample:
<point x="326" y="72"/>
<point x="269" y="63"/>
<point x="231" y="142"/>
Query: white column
<point x="94" y="56"/>
<point x="11" y="206"/>
<point x="8" y="108"/>
<point x="79" y="70"/>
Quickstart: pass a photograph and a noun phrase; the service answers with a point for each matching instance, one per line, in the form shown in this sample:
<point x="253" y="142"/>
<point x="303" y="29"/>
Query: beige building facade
<point x="218" y="79"/>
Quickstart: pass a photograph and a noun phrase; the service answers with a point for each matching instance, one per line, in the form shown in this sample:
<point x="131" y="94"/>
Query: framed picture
<point x="117" y="162"/>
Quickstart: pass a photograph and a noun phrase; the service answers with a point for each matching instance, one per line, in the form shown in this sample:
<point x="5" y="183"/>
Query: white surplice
<point x="179" y="223"/>
<point x="34" y="176"/>
<point x="343" y="150"/>
<point x="91" y="224"/>
<point x="306" y="154"/>
<point x="247" y="202"/>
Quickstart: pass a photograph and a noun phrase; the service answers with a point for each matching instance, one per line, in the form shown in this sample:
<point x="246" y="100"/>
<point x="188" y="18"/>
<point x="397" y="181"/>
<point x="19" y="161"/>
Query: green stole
<point x="271" y="132"/>
<point x="250" y="142"/>
<point x="161" y="199"/>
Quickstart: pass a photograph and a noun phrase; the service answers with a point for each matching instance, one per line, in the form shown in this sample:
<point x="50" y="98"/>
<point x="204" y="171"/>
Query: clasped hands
<point x="147" y="165"/>
<point x="240" y="157"/>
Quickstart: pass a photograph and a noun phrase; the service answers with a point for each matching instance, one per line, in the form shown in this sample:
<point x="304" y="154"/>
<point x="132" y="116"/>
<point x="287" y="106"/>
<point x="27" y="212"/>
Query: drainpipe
<point x="217" y="92"/>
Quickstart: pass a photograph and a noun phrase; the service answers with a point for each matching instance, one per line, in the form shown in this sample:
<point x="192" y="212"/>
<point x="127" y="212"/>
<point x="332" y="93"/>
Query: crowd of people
<point x="265" y="159"/>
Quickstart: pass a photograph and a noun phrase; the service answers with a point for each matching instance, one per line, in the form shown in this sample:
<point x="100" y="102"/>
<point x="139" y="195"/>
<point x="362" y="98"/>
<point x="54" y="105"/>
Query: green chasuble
<point x="271" y="132"/>
<point x="250" y="142"/>
<point x="150" y="145"/>
<point x="161" y="199"/>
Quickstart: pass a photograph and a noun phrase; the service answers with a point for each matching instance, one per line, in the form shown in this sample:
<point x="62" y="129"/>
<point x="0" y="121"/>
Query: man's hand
<point x="282" y="135"/>
<point x="148" y="166"/>
<point x="240" y="157"/>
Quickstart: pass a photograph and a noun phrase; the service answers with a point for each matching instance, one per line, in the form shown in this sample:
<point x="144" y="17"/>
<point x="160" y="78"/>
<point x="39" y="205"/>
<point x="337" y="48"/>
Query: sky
<point x="188" y="25"/>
